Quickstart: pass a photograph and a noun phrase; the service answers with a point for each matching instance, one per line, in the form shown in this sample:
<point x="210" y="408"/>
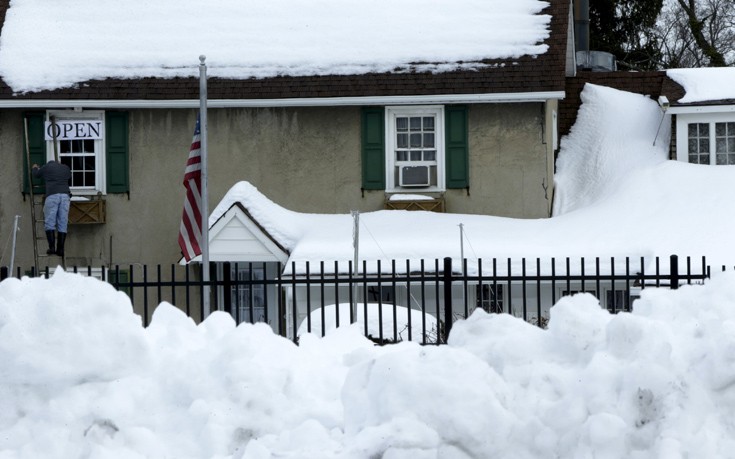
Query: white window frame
<point x="100" y="178"/>
<point x="391" y="113"/>
<point x="682" y="132"/>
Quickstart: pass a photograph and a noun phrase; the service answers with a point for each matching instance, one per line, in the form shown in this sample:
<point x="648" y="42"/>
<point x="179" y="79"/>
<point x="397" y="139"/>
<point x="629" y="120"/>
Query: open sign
<point x="74" y="130"/>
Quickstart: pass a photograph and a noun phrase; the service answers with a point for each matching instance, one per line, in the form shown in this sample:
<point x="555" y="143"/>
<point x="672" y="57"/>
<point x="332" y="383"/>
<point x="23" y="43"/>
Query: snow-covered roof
<point x="55" y="44"/>
<point x="705" y="84"/>
<point x="617" y="194"/>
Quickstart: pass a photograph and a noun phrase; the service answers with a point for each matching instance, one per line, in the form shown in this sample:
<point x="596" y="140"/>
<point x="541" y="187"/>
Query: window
<point x="97" y="151"/>
<point x="490" y="298"/>
<point x="415" y="148"/>
<point x="706" y="138"/>
<point x="249" y="297"/>
<point x="384" y="294"/>
<point x="79" y="145"/>
<point x="725" y="143"/>
<point x="698" y="143"/>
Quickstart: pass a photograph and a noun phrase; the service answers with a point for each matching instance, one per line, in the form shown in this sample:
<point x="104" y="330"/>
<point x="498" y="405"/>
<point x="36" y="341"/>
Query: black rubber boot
<point x="51" y="242"/>
<point x="60" y="245"/>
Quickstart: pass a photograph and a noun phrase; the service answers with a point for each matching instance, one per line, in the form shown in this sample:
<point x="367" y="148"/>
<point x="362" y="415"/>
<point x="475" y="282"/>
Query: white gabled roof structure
<point x="236" y="237"/>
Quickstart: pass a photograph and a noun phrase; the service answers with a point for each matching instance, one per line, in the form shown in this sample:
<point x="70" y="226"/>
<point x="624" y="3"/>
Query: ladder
<point x="37" y="200"/>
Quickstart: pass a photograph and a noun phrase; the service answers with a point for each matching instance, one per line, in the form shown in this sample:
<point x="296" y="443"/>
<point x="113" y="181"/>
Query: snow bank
<point x="82" y="378"/>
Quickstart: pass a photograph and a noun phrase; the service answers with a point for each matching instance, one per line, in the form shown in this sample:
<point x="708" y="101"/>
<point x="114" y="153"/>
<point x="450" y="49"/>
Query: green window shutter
<point x="116" y="134"/>
<point x="37" y="148"/>
<point x="373" y="148"/>
<point x="457" y="146"/>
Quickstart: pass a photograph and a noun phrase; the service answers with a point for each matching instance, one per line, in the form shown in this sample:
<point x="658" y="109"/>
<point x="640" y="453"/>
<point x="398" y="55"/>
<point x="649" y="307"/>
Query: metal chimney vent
<point x="597" y="61"/>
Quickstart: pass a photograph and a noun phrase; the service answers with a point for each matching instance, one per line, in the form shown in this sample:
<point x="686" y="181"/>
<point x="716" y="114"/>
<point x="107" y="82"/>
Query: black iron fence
<point x="391" y="302"/>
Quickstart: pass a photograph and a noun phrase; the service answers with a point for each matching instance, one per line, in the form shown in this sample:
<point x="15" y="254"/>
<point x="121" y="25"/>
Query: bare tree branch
<point x="697" y="27"/>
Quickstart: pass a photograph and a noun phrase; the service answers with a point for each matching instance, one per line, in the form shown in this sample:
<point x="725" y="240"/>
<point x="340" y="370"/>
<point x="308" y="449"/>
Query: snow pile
<point x="410" y="324"/>
<point x="77" y="40"/>
<point x="82" y="378"/>
<point x="613" y="136"/>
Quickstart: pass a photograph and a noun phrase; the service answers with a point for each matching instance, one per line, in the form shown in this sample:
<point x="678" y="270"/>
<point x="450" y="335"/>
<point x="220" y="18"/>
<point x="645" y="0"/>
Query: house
<point x="465" y="116"/>
<point x="703" y="117"/>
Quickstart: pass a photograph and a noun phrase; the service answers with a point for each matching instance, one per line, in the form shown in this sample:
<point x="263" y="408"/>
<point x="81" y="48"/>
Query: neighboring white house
<point x="705" y="116"/>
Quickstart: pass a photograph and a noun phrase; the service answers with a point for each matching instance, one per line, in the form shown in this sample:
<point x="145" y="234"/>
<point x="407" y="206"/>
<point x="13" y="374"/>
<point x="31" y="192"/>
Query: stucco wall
<point x="508" y="163"/>
<point x="305" y="159"/>
<point x="11" y="199"/>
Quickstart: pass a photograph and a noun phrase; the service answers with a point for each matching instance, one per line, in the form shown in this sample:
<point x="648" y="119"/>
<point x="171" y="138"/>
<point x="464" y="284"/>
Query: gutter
<point x="495" y="98"/>
<point x="692" y="109"/>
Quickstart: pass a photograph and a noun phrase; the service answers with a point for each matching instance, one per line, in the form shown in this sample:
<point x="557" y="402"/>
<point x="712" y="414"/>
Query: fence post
<point x="447" y="297"/>
<point x="227" y="287"/>
<point x="674" y="271"/>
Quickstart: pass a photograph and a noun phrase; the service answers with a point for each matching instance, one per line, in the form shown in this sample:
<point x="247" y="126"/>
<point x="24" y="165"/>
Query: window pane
<point x="89" y="178"/>
<point x="721" y="145"/>
<point x="402" y="124"/>
<point x="402" y="140"/>
<point x="415" y="123"/>
<point x="692" y="130"/>
<point x="703" y="130"/>
<point x="416" y="155"/>
<point x="415" y="140"/>
<point x="429" y="140"/>
<point x="401" y="156"/>
<point x="65" y="146"/>
<point x="704" y="145"/>
<point x="77" y="146"/>
<point x="430" y="155"/>
<point x="694" y="159"/>
<point x="89" y="146"/>
<point x="77" y="178"/>
<point x="720" y="159"/>
<point x="429" y="123"/>
<point x="77" y="163"/>
<point x="89" y="163"/>
<point x="720" y="129"/>
<point x="692" y="145"/>
<point x="731" y="129"/>
<point x="731" y="159"/>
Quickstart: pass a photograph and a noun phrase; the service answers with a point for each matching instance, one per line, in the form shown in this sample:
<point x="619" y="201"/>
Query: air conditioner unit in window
<point x="413" y="176"/>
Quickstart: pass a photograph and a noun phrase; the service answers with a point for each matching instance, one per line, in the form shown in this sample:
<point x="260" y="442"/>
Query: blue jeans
<point x="56" y="212"/>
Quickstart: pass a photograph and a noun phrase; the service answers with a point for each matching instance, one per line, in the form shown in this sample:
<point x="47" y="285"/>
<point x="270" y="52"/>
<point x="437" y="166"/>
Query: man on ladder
<point x="56" y="206"/>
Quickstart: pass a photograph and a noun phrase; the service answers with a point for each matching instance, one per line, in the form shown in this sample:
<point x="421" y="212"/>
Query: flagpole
<point x="205" y="197"/>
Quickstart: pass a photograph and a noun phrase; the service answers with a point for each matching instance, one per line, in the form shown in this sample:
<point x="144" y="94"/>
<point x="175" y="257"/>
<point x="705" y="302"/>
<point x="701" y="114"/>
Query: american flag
<point x="190" y="232"/>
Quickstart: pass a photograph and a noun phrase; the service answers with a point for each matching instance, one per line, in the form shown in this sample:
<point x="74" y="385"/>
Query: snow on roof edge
<point x="705" y="84"/>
